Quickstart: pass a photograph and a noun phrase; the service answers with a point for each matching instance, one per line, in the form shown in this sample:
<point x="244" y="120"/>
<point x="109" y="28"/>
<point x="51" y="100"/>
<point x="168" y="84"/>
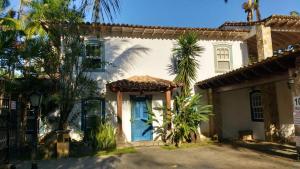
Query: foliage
<point x="101" y="7"/>
<point x="103" y="135"/>
<point x="186" y="52"/>
<point x="187" y="114"/>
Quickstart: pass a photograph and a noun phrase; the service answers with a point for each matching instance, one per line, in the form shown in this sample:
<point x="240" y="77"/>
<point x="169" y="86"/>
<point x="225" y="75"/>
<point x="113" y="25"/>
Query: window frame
<point x="229" y="47"/>
<point x="253" y="117"/>
<point x="101" y="43"/>
<point x="102" y="114"/>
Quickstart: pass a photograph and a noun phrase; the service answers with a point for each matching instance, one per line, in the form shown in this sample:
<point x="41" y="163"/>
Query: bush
<point x="103" y="136"/>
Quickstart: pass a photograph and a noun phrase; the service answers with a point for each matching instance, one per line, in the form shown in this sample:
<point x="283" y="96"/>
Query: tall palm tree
<point x="186" y="52"/>
<point x="102" y="8"/>
<point x="249" y="7"/>
<point x="107" y="7"/>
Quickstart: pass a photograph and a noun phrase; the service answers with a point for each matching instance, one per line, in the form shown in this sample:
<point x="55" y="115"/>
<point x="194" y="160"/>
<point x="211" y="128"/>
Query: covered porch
<point x="133" y="99"/>
<point x="255" y="101"/>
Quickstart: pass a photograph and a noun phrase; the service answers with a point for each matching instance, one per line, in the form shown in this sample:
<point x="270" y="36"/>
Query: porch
<point x="133" y="99"/>
<point x="256" y="98"/>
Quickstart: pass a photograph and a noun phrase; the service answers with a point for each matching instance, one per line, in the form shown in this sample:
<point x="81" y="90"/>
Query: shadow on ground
<point x="274" y="149"/>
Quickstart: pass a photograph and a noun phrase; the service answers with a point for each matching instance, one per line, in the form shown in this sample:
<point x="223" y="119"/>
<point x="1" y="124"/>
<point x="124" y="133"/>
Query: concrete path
<point x="209" y="157"/>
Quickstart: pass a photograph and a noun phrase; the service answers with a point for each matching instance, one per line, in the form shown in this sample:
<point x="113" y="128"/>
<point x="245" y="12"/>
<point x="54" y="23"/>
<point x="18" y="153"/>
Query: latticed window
<point x="256" y="106"/>
<point x="95" y="55"/>
<point x="223" y="58"/>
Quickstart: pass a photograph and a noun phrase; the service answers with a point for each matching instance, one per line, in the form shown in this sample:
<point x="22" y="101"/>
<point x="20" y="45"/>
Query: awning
<point x="142" y="83"/>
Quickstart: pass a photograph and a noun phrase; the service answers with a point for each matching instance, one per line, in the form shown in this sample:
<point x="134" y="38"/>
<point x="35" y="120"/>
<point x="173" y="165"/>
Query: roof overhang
<point x="121" y="30"/>
<point x="276" y="66"/>
<point x="142" y="84"/>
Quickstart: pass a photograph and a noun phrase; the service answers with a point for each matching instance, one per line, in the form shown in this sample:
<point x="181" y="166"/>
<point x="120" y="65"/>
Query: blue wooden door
<point x="141" y="130"/>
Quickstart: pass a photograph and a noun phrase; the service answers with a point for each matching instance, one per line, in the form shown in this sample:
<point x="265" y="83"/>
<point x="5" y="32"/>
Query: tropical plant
<point x="249" y="7"/>
<point x="102" y="135"/>
<point x="187" y="114"/>
<point x="186" y="52"/>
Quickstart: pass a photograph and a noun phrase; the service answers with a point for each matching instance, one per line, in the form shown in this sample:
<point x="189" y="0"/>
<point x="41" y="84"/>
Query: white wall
<point x="236" y="115"/>
<point x="137" y="56"/>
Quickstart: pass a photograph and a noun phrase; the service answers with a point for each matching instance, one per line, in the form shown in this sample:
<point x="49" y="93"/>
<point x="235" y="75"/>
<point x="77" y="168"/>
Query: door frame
<point x="147" y="99"/>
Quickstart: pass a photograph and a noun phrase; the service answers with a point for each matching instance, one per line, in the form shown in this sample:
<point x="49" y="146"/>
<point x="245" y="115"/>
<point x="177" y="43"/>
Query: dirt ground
<point x="207" y="157"/>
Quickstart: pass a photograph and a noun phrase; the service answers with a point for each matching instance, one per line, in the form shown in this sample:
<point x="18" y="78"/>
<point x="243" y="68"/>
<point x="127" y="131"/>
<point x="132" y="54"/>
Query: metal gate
<point x="8" y="128"/>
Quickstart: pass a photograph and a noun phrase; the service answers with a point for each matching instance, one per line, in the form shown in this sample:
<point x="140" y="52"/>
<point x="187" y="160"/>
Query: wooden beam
<point x="255" y="82"/>
<point x="168" y="106"/>
<point x="119" y="113"/>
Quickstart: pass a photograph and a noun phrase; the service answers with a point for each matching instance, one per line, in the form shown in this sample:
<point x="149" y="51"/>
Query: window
<point x="94" y="55"/>
<point x="256" y="106"/>
<point x="223" y="58"/>
<point x="92" y="109"/>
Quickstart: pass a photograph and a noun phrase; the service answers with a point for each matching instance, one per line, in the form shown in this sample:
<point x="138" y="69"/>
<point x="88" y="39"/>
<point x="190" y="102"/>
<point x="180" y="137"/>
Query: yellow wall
<point x="236" y="115"/>
<point x="285" y="110"/>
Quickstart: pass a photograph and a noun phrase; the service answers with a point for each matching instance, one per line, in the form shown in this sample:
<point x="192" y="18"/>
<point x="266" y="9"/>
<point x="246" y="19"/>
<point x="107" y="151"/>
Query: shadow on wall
<point x="120" y="61"/>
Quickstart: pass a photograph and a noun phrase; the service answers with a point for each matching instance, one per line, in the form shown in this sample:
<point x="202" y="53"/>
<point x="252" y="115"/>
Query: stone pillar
<point x="264" y="42"/>
<point x="211" y="118"/>
<point x="217" y="119"/>
<point x="270" y="109"/>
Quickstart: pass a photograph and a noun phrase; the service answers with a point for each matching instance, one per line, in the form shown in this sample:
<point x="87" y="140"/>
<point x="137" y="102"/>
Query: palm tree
<point x="107" y="7"/>
<point x="102" y="8"/>
<point x="249" y="7"/>
<point x="186" y="53"/>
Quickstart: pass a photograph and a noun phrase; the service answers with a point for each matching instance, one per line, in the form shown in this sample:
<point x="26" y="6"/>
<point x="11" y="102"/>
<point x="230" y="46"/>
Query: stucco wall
<point x="136" y="56"/>
<point x="236" y="115"/>
<point x="285" y="110"/>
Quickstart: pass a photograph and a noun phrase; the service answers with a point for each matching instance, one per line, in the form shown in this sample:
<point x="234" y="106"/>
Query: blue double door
<point x="141" y="130"/>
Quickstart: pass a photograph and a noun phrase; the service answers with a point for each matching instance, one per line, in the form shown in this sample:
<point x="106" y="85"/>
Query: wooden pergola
<point x="140" y="84"/>
<point x="285" y="31"/>
<point x="160" y="32"/>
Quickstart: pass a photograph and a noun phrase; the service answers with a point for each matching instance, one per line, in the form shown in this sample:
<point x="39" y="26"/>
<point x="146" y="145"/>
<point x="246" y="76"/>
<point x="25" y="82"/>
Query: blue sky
<point x="193" y="13"/>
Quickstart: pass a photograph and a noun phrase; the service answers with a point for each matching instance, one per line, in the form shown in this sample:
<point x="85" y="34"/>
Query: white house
<point x="137" y="73"/>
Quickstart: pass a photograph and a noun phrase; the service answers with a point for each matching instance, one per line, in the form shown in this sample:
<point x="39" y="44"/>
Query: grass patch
<point x="120" y="151"/>
<point x="188" y="145"/>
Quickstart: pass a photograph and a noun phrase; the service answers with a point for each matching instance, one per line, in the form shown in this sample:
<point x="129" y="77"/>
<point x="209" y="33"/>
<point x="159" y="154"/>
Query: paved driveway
<point x="209" y="157"/>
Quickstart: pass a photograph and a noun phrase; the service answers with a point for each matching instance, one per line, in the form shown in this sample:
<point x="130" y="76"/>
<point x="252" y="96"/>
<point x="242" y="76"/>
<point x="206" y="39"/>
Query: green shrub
<point x="103" y="136"/>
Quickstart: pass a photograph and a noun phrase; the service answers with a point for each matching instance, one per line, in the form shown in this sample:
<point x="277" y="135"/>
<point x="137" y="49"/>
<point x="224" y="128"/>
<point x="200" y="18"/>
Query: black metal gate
<point x="8" y="128"/>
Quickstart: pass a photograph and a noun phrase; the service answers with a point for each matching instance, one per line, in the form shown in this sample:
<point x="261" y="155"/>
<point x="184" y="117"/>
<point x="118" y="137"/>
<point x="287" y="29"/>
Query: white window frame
<point x="256" y="104"/>
<point x="217" y="60"/>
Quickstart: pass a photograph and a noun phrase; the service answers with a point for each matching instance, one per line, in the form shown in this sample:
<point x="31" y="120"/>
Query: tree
<point x="249" y="7"/>
<point x="64" y="36"/>
<point x="102" y="8"/>
<point x="186" y="52"/>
